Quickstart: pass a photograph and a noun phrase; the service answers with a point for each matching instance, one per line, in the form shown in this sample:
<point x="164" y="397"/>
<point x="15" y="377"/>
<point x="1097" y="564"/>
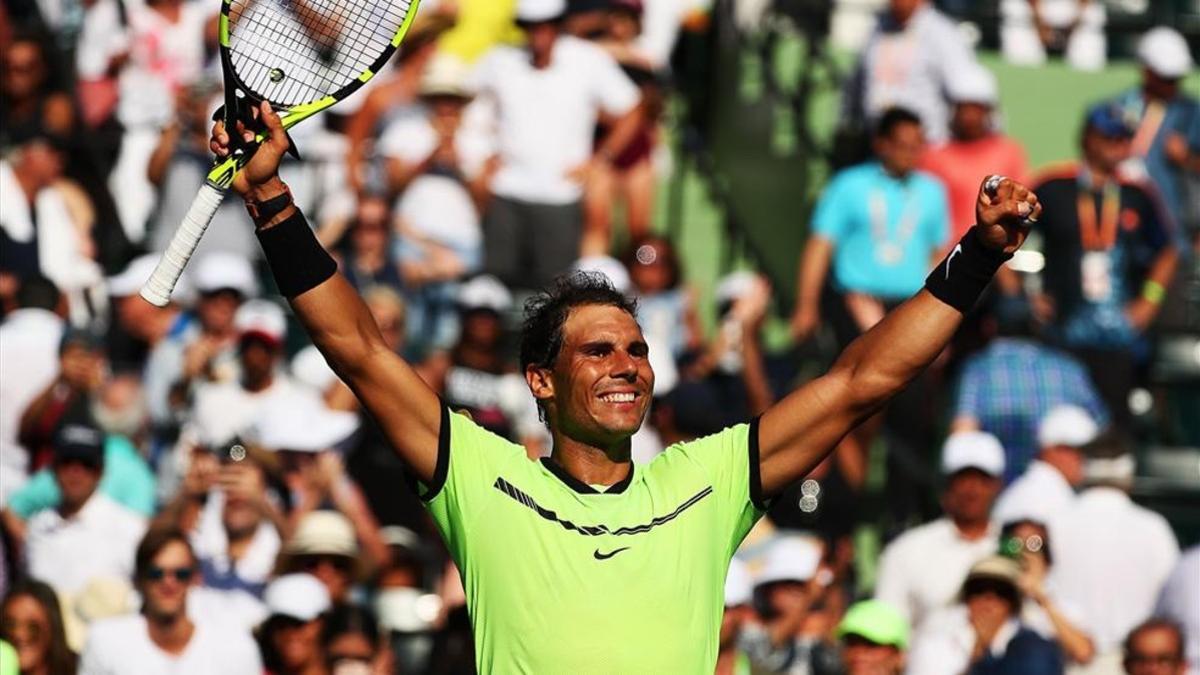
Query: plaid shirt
<point x="1011" y="384"/>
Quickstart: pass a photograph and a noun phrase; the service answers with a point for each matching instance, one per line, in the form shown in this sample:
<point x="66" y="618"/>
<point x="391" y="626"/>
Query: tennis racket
<point x="302" y="56"/>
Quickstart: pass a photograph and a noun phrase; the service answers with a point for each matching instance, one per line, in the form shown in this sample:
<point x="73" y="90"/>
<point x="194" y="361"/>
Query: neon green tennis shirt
<point x="561" y="578"/>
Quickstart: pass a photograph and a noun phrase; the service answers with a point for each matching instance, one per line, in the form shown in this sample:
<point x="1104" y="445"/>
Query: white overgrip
<point x="157" y="289"/>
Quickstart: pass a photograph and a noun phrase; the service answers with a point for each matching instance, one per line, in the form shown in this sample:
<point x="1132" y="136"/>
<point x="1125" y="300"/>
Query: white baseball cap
<point x="610" y="267"/>
<point x="301" y="423"/>
<point x="1164" y="51"/>
<point x="299" y="596"/>
<point x="220" y="270"/>
<point x="735" y="285"/>
<point x="973" y="83"/>
<point x="738" y="588"/>
<point x="485" y="292"/>
<point x="791" y="559"/>
<point x="1067" y="425"/>
<point x="537" y="11"/>
<point x="310" y="368"/>
<point x="261" y="318"/>
<point x="973" y="450"/>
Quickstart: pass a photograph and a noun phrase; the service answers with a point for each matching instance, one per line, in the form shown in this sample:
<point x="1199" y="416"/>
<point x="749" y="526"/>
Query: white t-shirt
<point x="28" y="363"/>
<point x="661" y="22"/>
<point x="1041" y="494"/>
<point x="546" y="119"/>
<point x="924" y="568"/>
<point x="122" y="646"/>
<point x="163" y="56"/>
<point x="97" y="542"/>
<point x="1111" y="557"/>
<point x="225" y="409"/>
<point x="440" y="207"/>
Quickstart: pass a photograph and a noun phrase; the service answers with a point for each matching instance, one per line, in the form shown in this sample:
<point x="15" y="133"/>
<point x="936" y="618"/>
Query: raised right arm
<point x="336" y="318"/>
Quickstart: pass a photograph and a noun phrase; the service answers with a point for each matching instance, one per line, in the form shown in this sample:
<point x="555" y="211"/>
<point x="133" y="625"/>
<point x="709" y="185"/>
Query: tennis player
<point x="584" y="562"/>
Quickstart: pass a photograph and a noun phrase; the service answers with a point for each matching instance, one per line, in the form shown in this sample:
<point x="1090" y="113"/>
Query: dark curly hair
<point x="547" y="312"/>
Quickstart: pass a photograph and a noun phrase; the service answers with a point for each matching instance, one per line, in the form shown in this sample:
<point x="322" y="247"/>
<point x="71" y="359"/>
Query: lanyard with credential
<point x="1152" y="118"/>
<point x="890" y="250"/>
<point x="1103" y="235"/>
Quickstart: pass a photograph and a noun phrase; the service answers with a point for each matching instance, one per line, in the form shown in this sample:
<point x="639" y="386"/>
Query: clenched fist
<point x="1004" y="213"/>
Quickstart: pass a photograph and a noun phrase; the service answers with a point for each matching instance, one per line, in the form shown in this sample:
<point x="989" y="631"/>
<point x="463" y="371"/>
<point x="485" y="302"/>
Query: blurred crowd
<point x="192" y="489"/>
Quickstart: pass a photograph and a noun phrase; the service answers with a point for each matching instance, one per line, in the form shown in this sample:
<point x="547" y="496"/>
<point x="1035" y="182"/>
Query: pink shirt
<point x="962" y="166"/>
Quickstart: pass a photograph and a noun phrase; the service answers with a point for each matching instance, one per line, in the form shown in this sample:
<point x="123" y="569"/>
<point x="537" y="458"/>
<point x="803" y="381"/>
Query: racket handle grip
<point x="157" y="289"/>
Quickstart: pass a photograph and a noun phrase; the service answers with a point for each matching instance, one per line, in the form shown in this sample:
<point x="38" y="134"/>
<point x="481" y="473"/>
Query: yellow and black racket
<point x="302" y="56"/>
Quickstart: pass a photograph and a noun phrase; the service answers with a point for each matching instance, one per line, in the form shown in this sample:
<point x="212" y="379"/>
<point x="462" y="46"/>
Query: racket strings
<point x="296" y="51"/>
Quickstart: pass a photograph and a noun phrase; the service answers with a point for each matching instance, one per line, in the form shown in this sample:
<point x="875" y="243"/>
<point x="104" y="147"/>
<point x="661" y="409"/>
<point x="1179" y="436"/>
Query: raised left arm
<point x="799" y="431"/>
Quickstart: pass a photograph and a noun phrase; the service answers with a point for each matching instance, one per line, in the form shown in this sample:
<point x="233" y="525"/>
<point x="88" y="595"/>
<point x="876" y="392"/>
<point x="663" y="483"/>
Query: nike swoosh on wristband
<point x="605" y="556"/>
<point x="956" y="251"/>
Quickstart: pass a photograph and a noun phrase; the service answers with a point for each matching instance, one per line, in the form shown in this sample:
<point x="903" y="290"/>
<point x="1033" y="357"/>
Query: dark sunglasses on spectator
<point x="312" y="562"/>
<point x="1140" y="659"/>
<point x="181" y="574"/>
<point x="92" y="464"/>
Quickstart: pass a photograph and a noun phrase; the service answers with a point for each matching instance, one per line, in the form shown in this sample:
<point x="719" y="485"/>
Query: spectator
<point x="874" y="638"/>
<point x="478" y="378"/>
<point x="1032" y="29"/>
<point x="352" y="643"/>
<point x="909" y="60"/>
<point x="290" y="638"/>
<point x="223" y="410"/>
<point x="1110" y="258"/>
<point x="1047" y="488"/>
<point x="881" y="224"/>
<point x="1106" y="537"/>
<point x="1155" y="647"/>
<point x="731" y="658"/>
<point x="29" y="360"/>
<point x="368" y="259"/>
<point x="1043" y="610"/>
<point x="666" y="305"/>
<point x="154" y="50"/>
<point x="324" y="545"/>
<point x="630" y="178"/>
<point x="984" y="634"/>
<point x="441" y="163"/>
<point x="917" y="583"/>
<point x="32" y="104"/>
<point x="547" y="99"/>
<point x="45" y="224"/>
<point x="1007" y="388"/>
<point x="408" y="612"/>
<point x="205" y="351"/>
<point x="790" y="595"/>
<point x="1165" y="151"/>
<point x="230" y="518"/>
<point x="976" y="146"/>
<point x="127" y="478"/>
<point x="86" y="525"/>
<point x="82" y="368"/>
<point x="163" y="637"/>
<point x="31" y="619"/>
<point x="1179" y="600"/>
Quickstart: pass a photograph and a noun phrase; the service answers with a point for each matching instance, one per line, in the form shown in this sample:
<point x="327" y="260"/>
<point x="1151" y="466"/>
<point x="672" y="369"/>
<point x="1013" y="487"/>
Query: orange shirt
<point x="962" y="166"/>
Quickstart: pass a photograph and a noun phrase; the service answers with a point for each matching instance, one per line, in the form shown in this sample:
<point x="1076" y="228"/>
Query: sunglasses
<point x="181" y="574"/>
<point x="312" y="562"/>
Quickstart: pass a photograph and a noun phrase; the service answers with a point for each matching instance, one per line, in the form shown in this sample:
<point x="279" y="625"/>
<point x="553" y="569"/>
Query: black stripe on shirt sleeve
<point x="442" y="468"/>
<point x="756" y="489"/>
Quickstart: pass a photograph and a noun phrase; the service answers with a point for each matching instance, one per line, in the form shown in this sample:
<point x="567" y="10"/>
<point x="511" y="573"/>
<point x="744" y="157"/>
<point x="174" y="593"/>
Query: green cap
<point x="8" y="659"/>
<point x="876" y="621"/>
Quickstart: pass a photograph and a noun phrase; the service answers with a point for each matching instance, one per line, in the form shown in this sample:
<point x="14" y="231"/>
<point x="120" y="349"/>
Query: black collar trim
<point x="581" y="487"/>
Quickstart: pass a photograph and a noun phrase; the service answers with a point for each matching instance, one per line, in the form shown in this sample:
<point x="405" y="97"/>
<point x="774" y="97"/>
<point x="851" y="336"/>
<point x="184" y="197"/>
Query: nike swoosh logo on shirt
<point x="605" y="556"/>
<point x="956" y="251"/>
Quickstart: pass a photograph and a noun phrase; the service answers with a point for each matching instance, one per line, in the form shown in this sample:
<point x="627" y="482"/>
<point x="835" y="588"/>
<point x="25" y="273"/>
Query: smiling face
<point x="26" y="625"/>
<point x="599" y="389"/>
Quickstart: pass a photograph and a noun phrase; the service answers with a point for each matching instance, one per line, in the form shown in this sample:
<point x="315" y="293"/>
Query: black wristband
<point x="298" y="261"/>
<point x="263" y="212"/>
<point x="963" y="275"/>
